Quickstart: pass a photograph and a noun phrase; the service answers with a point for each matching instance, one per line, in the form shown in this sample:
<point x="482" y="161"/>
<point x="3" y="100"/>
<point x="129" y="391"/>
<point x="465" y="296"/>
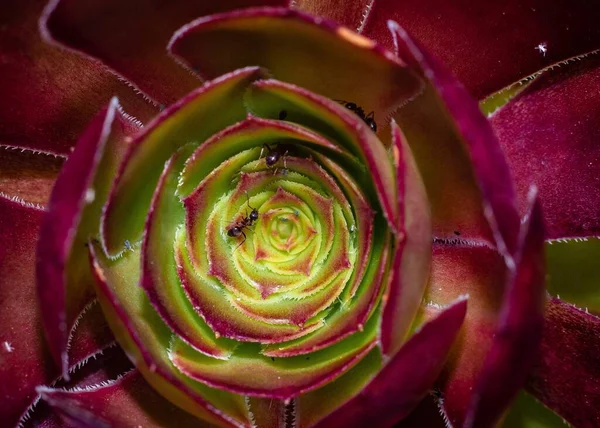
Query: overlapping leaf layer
<point x="248" y="256"/>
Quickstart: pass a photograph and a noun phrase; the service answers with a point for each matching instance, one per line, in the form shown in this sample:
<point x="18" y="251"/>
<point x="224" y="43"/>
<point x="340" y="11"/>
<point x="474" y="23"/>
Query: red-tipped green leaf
<point x="313" y="406"/>
<point x="146" y="339"/>
<point x="404" y="381"/>
<point x="159" y="270"/>
<point x="267" y="98"/>
<point x="489" y="45"/>
<point x="278" y="378"/>
<point x="342" y="64"/>
<point x="200" y="114"/>
<point x="550" y="135"/>
<point x="64" y="281"/>
<point x="412" y="250"/>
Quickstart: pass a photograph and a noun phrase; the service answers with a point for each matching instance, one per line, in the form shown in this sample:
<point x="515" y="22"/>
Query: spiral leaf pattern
<point x="265" y="248"/>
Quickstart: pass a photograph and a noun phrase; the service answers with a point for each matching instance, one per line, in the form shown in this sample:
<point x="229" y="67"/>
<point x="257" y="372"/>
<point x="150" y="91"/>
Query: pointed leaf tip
<point x="399" y="387"/>
<point x="519" y="330"/>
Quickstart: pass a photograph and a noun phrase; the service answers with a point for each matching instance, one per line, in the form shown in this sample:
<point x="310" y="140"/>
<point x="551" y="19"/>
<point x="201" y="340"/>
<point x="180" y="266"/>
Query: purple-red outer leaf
<point x="426" y="414"/>
<point x="131" y="37"/>
<point x="550" y="135"/>
<point x="489" y="45"/>
<point x="50" y="95"/>
<point x="519" y="330"/>
<point x="404" y="381"/>
<point x="489" y="165"/>
<point x="60" y="225"/>
<point x="26" y="175"/>
<point x="348" y="13"/>
<point x="127" y="401"/>
<point x="566" y="377"/>
<point x="412" y="258"/>
<point x="24" y="358"/>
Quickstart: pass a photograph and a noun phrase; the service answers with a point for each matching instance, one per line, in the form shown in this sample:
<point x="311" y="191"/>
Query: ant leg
<point x="285" y="170"/>
<point x="264" y="146"/>
<point x="241" y="243"/>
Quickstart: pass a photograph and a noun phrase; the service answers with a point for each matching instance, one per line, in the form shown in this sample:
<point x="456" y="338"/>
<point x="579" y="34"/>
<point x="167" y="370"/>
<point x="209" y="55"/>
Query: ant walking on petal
<point x="369" y="119"/>
<point x="238" y="228"/>
<point x="273" y="156"/>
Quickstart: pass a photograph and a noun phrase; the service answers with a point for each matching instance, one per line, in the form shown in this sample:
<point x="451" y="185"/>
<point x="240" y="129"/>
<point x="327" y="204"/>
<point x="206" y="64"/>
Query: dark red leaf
<point x="550" y="136"/>
<point x="566" y="377"/>
<point x="489" y="45"/>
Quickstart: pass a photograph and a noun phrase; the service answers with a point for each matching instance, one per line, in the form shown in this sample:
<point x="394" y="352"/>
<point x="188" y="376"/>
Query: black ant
<point x="273" y="156"/>
<point x="238" y="228"/>
<point x="369" y="119"/>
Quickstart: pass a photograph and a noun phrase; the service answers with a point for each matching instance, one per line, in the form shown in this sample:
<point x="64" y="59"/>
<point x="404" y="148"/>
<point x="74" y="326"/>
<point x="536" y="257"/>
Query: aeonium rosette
<point x="248" y="241"/>
<point x="261" y="254"/>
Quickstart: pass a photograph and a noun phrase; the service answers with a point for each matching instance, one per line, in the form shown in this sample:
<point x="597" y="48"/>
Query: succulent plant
<point x="273" y="214"/>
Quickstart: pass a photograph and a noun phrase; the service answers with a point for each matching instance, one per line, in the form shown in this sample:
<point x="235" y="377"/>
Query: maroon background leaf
<point x="550" y="134"/>
<point x="489" y="45"/>
<point x="131" y="37"/>
<point x="48" y="94"/>
<point x="565" y="377"/>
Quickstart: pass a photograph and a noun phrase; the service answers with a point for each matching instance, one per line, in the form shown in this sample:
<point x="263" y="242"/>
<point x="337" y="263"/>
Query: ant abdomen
<point x="369" y="119"/>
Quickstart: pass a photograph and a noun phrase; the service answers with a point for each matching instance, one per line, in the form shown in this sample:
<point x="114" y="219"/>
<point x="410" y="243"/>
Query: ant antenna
<point x="248" y="201"/>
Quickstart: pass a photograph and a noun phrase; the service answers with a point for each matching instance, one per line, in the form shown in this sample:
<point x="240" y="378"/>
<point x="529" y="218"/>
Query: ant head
<point x="371" y="122"/>
<point x="272" y="158"/>
<point x="253" y="214"/>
